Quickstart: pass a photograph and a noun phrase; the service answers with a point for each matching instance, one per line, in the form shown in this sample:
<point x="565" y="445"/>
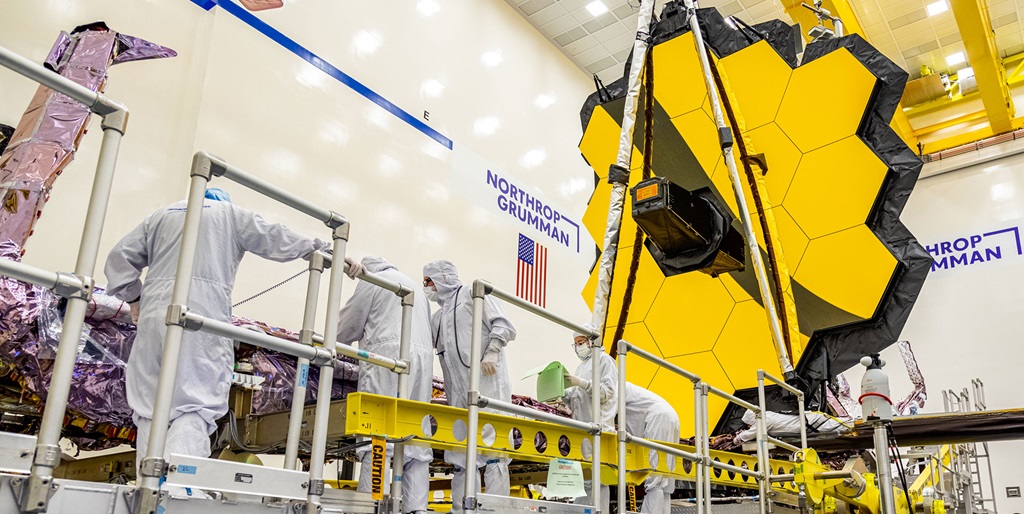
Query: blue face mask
<point x="216" y="193"/>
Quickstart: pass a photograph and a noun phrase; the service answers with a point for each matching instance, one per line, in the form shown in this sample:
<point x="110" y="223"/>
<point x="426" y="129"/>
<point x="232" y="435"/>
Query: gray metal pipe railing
<point x="535" y="309"/>
<point x="650" y="357"/>
<point x="782" y="444"/>
<point x="762" y="375"/>
<point x="95" y="101"/>
<point x="195" y="322"/>
<point x="219" y="167"/>
<point x="656" y="446"/>
<point x="204" y="168"/>
<point x="518" y="410"/>
<point x="31" y="274"/>
<point x="317" y="265"/>
<point x="701" y="430"/>
<point x="36" y="490"/>
<point x="481" y="289"/>
<point x="738" y="401"/>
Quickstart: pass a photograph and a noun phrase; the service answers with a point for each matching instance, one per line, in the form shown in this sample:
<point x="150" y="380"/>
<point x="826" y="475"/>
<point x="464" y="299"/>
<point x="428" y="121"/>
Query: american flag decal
<point x="532" y="271"/>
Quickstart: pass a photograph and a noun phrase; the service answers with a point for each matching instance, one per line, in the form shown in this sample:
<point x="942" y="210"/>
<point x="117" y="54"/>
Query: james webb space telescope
<point x="686" y="231"/>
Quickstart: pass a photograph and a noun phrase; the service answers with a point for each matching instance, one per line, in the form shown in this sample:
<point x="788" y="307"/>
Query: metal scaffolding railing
<point x="475" y="401"/>
<point x="312" y="349"/>
<point x="77" y="287"/>
<point x="702" y="457"/>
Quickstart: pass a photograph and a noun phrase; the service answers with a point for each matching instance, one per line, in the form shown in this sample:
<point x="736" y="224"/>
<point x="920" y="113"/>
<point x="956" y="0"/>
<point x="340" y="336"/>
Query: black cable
<point x="894" y="447"/>
<point x="271" y="288"/>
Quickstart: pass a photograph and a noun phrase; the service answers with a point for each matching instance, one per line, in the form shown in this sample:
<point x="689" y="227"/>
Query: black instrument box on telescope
<point x="689" y="231"/>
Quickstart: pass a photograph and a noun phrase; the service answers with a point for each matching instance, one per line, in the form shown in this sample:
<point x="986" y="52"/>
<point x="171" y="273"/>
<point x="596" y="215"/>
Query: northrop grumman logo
<point x="975" y="249"/>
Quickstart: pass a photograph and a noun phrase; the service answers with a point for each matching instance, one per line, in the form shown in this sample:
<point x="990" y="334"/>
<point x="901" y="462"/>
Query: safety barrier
<point x="77" y="287"/>
<point x="312" y="349"/>
<point x="475" y="401"/>
<point x="702" y="455"/>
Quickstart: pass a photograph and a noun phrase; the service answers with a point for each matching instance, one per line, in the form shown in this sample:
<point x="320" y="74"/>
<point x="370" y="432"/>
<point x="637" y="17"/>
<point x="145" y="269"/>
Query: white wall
<point x="234" y="92"/>
<point x="966" y="323"/>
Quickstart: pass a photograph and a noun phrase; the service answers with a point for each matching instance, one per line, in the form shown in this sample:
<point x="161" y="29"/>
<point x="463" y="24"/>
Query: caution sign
<point x="631" y="497"/>
<point x="377" y="456"/>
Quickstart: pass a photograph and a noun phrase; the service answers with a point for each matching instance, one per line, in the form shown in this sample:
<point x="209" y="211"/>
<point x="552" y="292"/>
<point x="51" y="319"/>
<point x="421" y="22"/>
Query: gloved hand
<point x="133" y="308"/>
<point x="579" y="382"/>
<point x="354" y="269"/>
<point x="489" y="365"/>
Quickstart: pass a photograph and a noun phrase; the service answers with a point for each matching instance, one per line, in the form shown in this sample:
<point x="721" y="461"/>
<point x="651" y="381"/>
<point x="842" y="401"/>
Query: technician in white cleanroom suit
<point x="226" y="233"/>
<point x="651" y="417"/>
<point x="578" y="396"/>
<point x="373" y="316"/>
<point x="452" y="329"/>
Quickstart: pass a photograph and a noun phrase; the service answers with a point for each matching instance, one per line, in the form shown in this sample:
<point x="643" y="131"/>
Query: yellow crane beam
<point x="975" y="26"/>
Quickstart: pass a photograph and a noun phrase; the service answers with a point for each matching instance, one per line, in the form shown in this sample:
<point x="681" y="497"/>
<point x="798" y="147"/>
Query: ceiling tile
<point x="611" y="32"/>
<point x="570" y="35"/>
<point x="730" y="8"/>
<point x="600" y="22"/>
<point x="571" y="5"/>
<point x="581" y="45"/>
<point x="582" y="15"/>
<point x="558" y="26"/>
<point x="762" y="12"/>
<point x="1013" y="50"/>
<point x="610" y="75"/>
<point x="591" y="55"/>
<point x="548" y="15"/>
<point x="945" y="29"/>
<point x="950" y="39"/>
<point x="1001" y="9"/>
<point x="871" y="18"/>
<point x="529" y="7"/>
<point x="601" y="64"/>
<point x="1004" y="20"/>
<point x="623" y="11"/>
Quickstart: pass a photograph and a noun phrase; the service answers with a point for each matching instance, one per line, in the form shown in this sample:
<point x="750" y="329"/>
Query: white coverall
<point x="373" y="316"/>
<point x="452" y="327"/>
<point x="779" y="425"/>
<point x="578" y="399"/>
<point x="651" y="417"/>
<point x="226" y="233"/>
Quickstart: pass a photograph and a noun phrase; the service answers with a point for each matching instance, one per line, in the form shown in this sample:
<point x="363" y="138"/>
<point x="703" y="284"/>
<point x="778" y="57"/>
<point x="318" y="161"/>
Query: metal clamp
<point x="481" y="288"/>
<point x="70" y="286"/>
<point x="323" y="357"/>
<point x="315" y="487"/>
<point x="339" y="224"/>
<point x="624" y="436"/>
<point x="469" y="503"/>
<point x="407" y="295"/>
<point x="474" y="398"/>
<point x="177" y="314"/>
<point x="47" y="455"/>
<point x="116" y="120"/>
<point x="318" y="261"/>
<point x="208" y="166"/>
<point x="306" y="336"/>
<point x="105" y="106"/>
<point x="153" y="467"/>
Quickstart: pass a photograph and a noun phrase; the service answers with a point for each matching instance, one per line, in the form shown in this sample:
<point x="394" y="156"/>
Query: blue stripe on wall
<point x="262" y="27"/>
